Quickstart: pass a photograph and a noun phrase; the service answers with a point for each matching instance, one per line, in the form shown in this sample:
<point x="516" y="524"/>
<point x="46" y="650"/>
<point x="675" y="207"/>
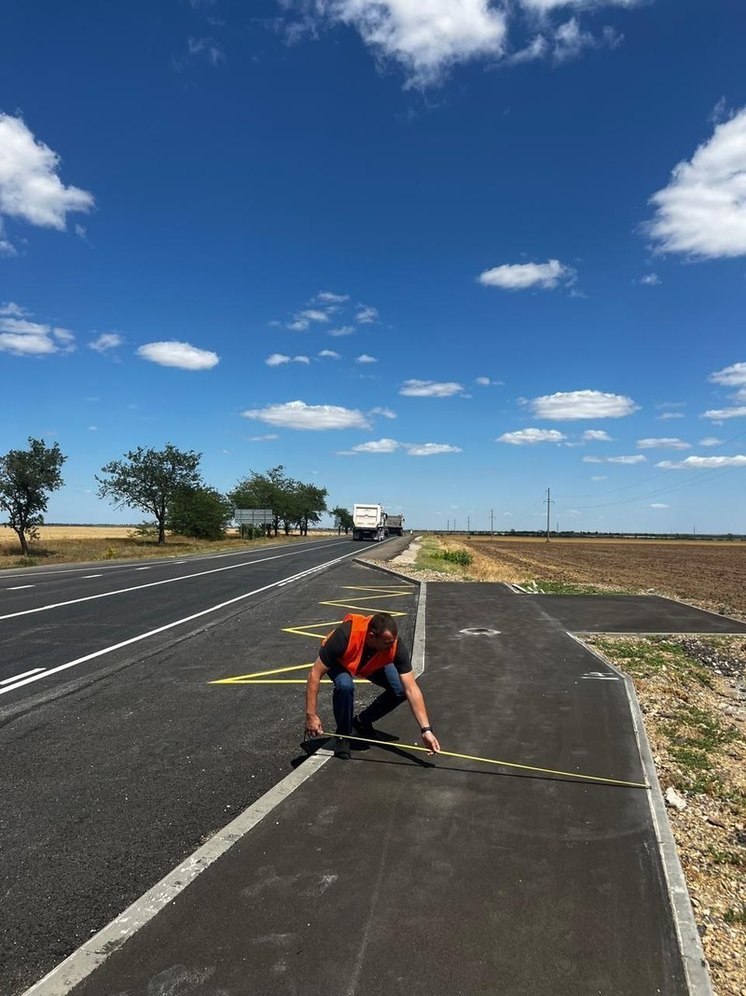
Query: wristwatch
<point x="426" y="729"/>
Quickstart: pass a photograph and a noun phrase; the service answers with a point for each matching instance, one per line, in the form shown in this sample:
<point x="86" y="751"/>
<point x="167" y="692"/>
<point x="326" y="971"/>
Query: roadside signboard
<point x="253" y="516"/>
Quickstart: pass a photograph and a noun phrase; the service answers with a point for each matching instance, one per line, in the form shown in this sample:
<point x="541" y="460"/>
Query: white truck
<point x="368" y="522"/>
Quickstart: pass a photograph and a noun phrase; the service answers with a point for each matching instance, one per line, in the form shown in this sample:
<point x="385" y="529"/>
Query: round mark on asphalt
<point x="479" y="631"/>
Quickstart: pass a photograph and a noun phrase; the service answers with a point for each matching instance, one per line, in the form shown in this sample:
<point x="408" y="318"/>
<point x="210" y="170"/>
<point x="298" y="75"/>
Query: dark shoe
<point x="361" y="729"/>
<point x="342" y="749"/>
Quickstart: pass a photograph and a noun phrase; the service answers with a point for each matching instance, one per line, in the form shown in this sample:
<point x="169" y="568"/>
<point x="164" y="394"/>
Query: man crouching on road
<point x="365" y="647"/>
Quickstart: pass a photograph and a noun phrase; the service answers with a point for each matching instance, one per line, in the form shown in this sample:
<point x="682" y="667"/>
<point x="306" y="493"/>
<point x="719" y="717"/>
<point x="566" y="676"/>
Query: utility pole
<point x="492" y="522"/>
<point x="468" y="523"/>
<point x="448" y="525"/>
<point x="549" y="504"/>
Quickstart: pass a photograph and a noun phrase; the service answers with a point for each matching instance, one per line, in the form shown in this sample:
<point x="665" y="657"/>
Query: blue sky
<point x="438" y="254"/>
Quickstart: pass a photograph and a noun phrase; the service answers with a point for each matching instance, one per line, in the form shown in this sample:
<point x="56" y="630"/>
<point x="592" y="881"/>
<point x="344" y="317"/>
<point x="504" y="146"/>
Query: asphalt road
<point x="116" y="768"/>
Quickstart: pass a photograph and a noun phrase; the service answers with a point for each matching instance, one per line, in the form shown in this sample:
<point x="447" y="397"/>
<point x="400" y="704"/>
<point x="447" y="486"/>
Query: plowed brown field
<point x="711" y="574"/>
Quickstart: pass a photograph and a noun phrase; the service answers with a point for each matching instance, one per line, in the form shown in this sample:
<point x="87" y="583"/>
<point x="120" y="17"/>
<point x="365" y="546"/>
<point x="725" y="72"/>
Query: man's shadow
<point x="311" y="747"/>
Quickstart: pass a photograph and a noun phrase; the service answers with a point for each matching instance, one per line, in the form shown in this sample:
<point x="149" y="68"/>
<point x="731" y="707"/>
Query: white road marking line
<point x="142" y="568"/>
<point x="87" y="576"/>
<point x="150" y="584"/>
<point x="17" y="677"/>
<point x="177" y="622"/>
<point x="20" y="587"/>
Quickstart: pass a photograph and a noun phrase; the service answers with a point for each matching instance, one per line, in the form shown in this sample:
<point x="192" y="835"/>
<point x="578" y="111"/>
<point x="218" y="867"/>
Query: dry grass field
<point x="83" y="544"/>
<point x="709" y="574"/>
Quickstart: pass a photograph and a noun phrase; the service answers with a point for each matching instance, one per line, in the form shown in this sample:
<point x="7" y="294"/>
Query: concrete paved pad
<point x="382" y="874"/>
<point x="633" y="614"/>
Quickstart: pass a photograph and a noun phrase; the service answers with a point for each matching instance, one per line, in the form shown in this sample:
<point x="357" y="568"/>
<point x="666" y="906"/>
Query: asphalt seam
<point x="690" y="943"/>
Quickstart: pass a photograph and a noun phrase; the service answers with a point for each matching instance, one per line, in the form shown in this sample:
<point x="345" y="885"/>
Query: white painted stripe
<point x="71" y="972"/>
<point x="152" y="584"/>
<point x="171" y="625"/>
<point x="20" y="587"/>
<point x="17" y="677"/>
<point x="142" y="568"/>
<point x="87" y="576"/>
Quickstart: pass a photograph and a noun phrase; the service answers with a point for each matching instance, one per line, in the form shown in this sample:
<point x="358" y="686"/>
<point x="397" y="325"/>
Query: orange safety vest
<point x="355" y="645"/>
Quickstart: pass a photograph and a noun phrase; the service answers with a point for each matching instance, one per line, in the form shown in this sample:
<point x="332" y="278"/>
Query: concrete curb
<point x="690" y="943"/>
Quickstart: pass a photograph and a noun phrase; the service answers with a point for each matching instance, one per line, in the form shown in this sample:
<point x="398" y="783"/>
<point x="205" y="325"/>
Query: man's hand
<point x="430" y="740"/>
<point x="313" y="727"/>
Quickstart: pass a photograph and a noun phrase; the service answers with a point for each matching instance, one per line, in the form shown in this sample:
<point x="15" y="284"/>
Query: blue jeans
<point x="343" y="696"/>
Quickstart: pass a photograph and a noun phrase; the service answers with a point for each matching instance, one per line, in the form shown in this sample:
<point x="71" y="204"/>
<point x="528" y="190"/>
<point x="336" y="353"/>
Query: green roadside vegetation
<point x="698" y="749"/>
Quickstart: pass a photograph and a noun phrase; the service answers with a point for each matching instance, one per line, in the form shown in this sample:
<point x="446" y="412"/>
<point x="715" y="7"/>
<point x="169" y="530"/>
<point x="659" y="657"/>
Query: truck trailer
<point x="395" y="525"/>
<point x="368" y="522"/>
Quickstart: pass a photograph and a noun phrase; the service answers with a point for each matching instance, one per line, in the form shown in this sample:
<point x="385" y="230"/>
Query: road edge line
<point x="91" y="955"/>
<point x="690" y="943"/>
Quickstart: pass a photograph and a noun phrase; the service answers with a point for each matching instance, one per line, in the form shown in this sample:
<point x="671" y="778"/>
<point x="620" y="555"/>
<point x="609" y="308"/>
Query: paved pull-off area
<point x="389" y="873"/>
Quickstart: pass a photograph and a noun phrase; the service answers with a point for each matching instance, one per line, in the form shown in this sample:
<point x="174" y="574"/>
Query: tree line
<point x="166" y="484"/>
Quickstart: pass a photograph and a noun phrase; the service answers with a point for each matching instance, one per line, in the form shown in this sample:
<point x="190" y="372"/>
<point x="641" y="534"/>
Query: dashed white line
<point x="150" y="584"/>
<point x="87" y="576"/>
<point x="17" y="677"/>
<point x="19" y="682"/>
<point x="20" y="587"/>
<point x="142" y="568"/>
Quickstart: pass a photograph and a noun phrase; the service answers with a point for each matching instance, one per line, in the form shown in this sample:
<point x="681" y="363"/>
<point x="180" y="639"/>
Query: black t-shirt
<point x="333" y="650"/>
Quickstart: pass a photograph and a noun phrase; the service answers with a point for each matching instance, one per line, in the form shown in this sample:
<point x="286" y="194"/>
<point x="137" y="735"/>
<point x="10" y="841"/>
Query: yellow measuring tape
<point x="489" y="760"/>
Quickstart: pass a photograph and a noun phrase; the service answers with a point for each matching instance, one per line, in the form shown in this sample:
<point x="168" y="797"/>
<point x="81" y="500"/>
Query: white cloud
<point x="430" y="389"/>
<point x="637" y="458"/>
<point x="702" y="211"/>
<point x="178" y="354"/>
<point x="596" y="435"/>
<point x="329" y="354"/>
<point x="267" y="437"/>
<point x="658" y="504"/>
<point x="426" y="39"/>
<point x="364" y="358"/>
<point x="430" y="449"/>
<point x="710" y="441"/>
<point x="522" y="276"/>
<point x="106" y="341"/>
<point x="366" y="315"/>
<point x="545" y="6"/>
<point x="314" y="315"/>
<point x="482" y="381"/>
<point x="663" y="443"/>
<point x="719" y="414"/>
<point x="205" y="48"/>
<point x="732" y="376"/>
<point x="581" y="405"/>
<point x="667" y="416"/>
<point x="377" y="446"/>
<point x="569" y="41"/>
<point x="279" y="359"/>
<point x="652" y="280"/>
<point x="30" y="188"/>
<point x="703" y="463"/>
<point x="299" y="415"/>
<point x="327" y="297"/>
<point x="342" y="330"/>
<point x="22" y="337"/>
<point x="298" y="325"/>
<point x="599" y="477"/>
<point x="12" y="309"/>
<point x="523" y="437"/>
<point x="383" y="412"/>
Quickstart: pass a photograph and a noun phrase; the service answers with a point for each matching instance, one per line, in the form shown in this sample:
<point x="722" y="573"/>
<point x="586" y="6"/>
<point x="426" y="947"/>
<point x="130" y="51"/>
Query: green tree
<point x="306" y="503"/>
<point x="201" y="512"/>
<point x="344" y="516"/>
<point x="271" y="490"/>
<point x="26" y="478"/>
<point x="149" y="479"/>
